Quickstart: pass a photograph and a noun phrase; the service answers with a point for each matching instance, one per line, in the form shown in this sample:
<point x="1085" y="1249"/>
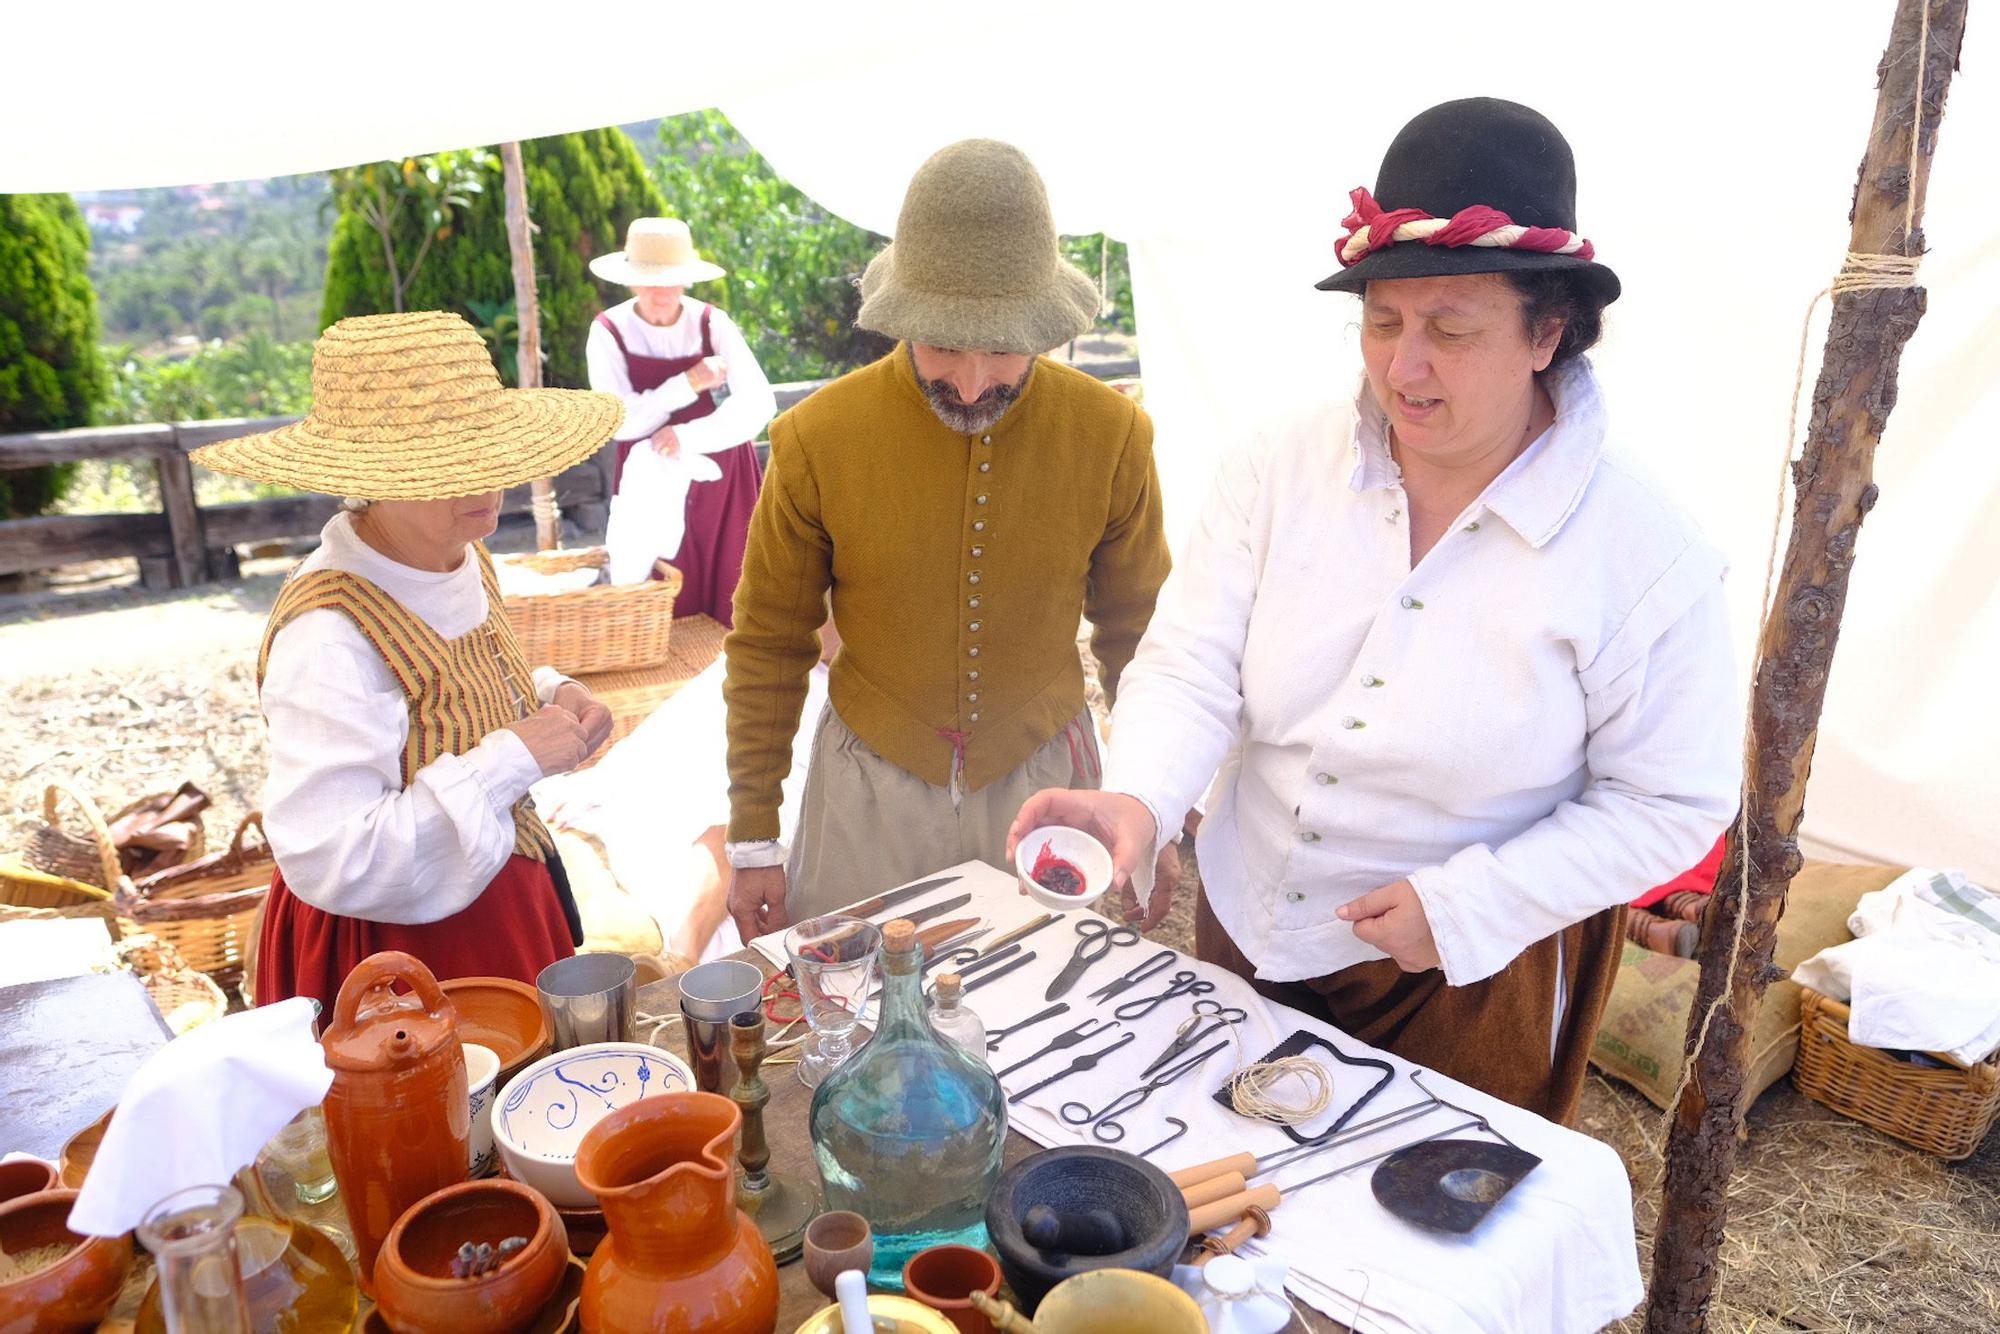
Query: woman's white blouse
<point x="741" y="416"/>
<point x="349" y="837"/>
<point x="1537" y="722"/>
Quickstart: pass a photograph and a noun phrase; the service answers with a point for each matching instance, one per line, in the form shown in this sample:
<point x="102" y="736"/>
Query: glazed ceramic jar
<point x="679" y="1255"/>
<point x="415" y="1289"/>
<point x="398" y="1118"/>
<point x="77" y="1287"/>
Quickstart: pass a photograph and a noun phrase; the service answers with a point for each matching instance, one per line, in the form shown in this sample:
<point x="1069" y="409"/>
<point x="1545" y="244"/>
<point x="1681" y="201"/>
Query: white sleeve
<point x="751" y="403"/>
<point x="646" y="411"/>
<point x="547" y="681"/>
<point x="1180" y="700"/>
<point x="1665" y="757"/>
<point x="350" y="838"/>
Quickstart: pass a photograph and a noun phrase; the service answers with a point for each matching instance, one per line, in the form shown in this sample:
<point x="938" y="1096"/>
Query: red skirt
<point x="515" y="928"/>
<point x="718" y="529"/>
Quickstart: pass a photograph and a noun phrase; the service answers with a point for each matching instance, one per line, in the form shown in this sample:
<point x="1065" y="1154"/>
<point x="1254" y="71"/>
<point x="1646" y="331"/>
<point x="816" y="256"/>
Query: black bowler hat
<point x="1452" y="173"/>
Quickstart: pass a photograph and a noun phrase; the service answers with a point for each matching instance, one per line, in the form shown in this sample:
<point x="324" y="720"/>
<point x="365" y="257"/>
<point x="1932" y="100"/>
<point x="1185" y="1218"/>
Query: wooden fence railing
<point x="184" y="543"/>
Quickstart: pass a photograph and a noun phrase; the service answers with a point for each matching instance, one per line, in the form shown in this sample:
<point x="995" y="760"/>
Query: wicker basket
<point x="633" y="695"/>
<point x="1945" y="1112"/>
<point x="603" y="628"/>
<point x="185" y="998"/>
<point x="87" y="859"/>
<point x="206" y="909"/>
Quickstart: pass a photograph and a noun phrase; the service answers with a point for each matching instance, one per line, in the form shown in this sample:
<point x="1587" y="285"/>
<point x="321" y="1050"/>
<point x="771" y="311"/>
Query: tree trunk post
<point x="527" y="315"/>
<point x="1834" y="490"/>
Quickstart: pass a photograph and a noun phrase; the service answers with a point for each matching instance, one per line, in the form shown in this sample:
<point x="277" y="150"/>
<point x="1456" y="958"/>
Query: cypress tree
<point x="51" y="375"/>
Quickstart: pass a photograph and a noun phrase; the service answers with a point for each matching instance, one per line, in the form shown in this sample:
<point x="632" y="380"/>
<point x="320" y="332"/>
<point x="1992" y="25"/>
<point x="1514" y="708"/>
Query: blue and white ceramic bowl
<point x="545" y="1110"/>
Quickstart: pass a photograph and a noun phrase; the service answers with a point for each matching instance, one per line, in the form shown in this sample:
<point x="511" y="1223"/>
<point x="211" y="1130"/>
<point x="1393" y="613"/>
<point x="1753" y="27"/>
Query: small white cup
<point x="1079" y="849"/>
<point x="482" y="1071"/>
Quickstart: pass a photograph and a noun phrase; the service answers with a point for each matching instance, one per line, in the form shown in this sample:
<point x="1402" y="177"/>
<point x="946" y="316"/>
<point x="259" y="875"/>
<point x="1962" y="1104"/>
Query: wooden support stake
<point x="527" y="314"/>
<point x="176" y="476"/>
<point x="1834" y="487"/>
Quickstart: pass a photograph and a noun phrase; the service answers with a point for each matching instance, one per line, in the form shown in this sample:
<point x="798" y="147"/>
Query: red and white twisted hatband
<point x="1370" y="227"/>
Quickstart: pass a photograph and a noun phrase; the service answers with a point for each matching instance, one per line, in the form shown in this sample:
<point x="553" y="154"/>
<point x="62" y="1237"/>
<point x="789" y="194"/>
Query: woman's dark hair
<point x="1548" y="294"/>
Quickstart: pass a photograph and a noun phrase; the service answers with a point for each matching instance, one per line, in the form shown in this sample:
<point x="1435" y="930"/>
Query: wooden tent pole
<point x="1834" y="490"/>
<point x="527" y="314"/>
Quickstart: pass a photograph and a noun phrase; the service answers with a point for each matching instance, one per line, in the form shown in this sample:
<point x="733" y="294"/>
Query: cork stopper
<point x="900" y="936"/>
<point x="950" y="988"/>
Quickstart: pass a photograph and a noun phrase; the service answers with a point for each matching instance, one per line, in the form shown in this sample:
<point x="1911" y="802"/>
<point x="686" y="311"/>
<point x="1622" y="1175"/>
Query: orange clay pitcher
<point x="680" y="1254"/>
<point x="397" y="1116"/>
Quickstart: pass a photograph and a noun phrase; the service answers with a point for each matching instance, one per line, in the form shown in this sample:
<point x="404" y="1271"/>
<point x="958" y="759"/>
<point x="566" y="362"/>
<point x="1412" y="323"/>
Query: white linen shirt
<point x="349" y="837"/>
<point x="1539" y="721"/>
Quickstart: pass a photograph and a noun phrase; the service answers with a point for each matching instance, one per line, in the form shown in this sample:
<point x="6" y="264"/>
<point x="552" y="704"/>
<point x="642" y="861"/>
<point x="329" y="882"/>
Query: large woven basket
<point x="88" y="859"/>
<point x="207" y="909"/>
<point x="1946" y="1111"/>
<point x="185" y="998"/>
<point x="603" y="628"/>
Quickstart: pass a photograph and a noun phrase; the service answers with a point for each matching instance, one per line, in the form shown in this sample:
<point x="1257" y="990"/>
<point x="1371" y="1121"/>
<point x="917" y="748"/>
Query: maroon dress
<point x="718" y="513"/>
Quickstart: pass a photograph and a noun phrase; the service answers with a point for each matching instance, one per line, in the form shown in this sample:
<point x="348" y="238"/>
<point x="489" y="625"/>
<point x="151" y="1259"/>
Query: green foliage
<point x="255" y="376"/>
<point x="1107" y="263"/>
<point x="429" y="193"/>
<point x="582" y="191"/>
<point x="50" y="376"/>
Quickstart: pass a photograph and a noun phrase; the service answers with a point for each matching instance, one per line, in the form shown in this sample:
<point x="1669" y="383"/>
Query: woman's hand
<point x="666" y="443"/>
<point x="589" y="712"/>
<point x="757" y="900"/>
<point x="707" y="373"/>
<point x="1120" y="822"/>
<point x="1392" y="920"/>
<point x="554" y="738"/>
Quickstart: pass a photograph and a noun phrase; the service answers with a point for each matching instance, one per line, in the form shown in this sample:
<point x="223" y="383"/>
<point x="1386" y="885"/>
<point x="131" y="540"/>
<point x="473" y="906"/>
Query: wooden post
<point x="176" y="476"/>
<point x="1834" y="491"/>
<point x="527" y="313"/>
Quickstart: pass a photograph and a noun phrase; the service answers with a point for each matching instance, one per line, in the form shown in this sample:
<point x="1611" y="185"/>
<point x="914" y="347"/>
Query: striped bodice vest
<point x="458" y="690"/>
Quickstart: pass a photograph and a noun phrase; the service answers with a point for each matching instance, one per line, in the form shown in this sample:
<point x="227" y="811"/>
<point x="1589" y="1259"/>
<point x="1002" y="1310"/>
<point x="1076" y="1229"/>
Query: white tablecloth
<point x="1557" y="1254"/>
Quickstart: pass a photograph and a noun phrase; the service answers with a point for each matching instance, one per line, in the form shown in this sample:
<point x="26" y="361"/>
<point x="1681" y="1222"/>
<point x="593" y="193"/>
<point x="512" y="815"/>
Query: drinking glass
<point x="833" y="959"/>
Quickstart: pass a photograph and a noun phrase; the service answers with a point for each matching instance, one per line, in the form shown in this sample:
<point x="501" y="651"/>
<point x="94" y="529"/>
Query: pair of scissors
<point x="1194" y="1031"/>
<point x="1097" y="940"/>
<point x="1133" y="978"/>
<point x="1186" y="983"/>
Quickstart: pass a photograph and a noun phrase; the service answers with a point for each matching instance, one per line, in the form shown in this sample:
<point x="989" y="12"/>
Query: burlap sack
<point x="1644" y="1030"/>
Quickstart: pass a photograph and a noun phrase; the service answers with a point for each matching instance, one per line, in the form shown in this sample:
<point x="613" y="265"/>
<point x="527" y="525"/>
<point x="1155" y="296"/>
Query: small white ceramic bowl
<point x="544" y="1111"/>
<point x="1077" y="848"/>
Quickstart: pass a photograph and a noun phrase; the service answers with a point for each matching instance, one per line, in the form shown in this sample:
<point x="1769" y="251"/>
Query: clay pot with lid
<point x="679" y="1254"/>
<point x="79" y="1288"/>
<point x="415" y="1289"/>
<point x="398" y="1117"/>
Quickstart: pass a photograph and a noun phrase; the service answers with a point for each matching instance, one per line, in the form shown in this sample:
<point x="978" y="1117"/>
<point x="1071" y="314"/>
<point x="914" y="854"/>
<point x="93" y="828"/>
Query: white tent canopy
<point x="1716" y="143"/>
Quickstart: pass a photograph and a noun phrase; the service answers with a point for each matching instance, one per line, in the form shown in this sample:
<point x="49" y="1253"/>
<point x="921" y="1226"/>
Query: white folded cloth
<point x="1923" y="972"/>
<point x="198" y="1111"/>
<point x="518" y="581"/>
<point x="649" y="513"/>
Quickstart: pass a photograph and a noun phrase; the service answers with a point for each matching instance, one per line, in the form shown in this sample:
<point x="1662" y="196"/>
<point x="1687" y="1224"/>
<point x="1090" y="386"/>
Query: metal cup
<point x="711" y="995"/>
<point x="588" y="998"/>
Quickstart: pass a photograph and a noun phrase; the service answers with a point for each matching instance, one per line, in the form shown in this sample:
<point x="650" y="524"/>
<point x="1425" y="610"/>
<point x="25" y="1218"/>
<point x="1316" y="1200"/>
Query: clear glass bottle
<point x="908" y="1133"/>
<point x="950" y="1017"/>
<point x="192" y="1235"/>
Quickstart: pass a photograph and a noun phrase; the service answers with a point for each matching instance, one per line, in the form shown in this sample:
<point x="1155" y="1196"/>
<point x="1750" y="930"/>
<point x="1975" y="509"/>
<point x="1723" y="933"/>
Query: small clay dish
<point x="504" y="1015"/>
<point x="1085" y="1180"/>
<point x="837" y="1240"/>
<point x="414" y="1287"/>
<point x="77" y="1288"/>
<point x="559" y="1315"/>
<point x="81" y="1151"/>
<point x="944" y="1279"/>
<point x="27" y="1176"/>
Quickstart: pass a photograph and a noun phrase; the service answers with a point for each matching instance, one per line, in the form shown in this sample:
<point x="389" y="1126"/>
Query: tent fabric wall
<point x="1717" y="145"/>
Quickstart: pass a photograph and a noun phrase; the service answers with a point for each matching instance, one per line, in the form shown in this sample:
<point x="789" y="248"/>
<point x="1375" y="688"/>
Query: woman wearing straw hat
<point x="406" y="727"/>
<point x="687" y="497"/>
<point x="1465" y="672"/>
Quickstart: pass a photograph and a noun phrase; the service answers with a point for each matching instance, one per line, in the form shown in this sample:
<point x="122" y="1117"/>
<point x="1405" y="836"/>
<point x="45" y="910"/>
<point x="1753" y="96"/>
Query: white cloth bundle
<point x="649" y="513"/>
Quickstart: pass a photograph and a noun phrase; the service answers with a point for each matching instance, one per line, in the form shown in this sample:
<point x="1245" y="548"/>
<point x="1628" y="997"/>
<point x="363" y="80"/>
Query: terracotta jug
<point x="398" y="1118"/>
<point x="680" y="1254"/>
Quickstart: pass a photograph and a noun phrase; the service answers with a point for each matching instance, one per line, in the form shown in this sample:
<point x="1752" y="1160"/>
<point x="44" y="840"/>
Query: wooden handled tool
<point x="1256" y="1223"/>
<point x="1243" y="1164"/>
<point x="1213" y="1189"/>
<point x="1212" y="1216"/>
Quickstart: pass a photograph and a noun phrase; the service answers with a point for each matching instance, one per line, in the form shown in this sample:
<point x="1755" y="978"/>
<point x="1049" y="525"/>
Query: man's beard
<point x="970" y="418"/>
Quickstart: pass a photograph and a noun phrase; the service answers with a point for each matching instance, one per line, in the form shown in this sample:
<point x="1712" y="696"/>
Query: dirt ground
<point x="1833" y="1227"/>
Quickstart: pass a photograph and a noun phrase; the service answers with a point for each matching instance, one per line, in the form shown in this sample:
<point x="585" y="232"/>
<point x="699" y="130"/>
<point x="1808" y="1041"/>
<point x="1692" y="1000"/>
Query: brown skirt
<point x="1492" y="1034"/>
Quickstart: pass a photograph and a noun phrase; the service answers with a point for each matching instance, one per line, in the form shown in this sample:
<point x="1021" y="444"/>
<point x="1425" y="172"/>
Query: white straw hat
<point x="659" y="252"/>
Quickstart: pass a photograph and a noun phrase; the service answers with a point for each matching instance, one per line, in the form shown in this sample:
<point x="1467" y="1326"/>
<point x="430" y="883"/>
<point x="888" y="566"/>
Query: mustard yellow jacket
<point x="958" y="565"/>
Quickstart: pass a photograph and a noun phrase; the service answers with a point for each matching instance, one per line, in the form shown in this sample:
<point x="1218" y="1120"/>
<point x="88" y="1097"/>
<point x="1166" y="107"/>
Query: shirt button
<point x="986" y="467"/>
<point x="1295" y="896"/>
<point x="974" y="627"/>
<point x="1472" y="527"/>
<point x="972" y="578"/>
<point x="985" y="439"/>
<point x="972" y="697"/>
<point x="1309" y="837"/>
<point x="972" y="675"/>
<point x="977" y="552"/>
<point x="1352" y="724"/>
<point x="979" y="500"/>
<point x="1325" y="780"/>
<point x="973" y="602"/>
<point x="973" y="718"/>
<point x="1411" y="604"/>
<point x="1392" y="516"/>
<point x="1371" y="681"/>
<point x="972" y="652"/>
<point x="979" y="527"/>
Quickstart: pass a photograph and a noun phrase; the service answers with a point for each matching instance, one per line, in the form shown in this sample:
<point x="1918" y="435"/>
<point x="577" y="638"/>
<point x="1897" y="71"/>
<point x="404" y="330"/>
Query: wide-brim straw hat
<point x="659" y="252"/>
<point x="409" y="407"/>
<point x="975" y="264"/>
<point x="1469" y="161"/>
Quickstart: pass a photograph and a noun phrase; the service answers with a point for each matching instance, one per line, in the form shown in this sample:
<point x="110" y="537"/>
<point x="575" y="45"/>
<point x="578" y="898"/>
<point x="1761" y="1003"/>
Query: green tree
<point x="433" y="191"/>
<point x="50" y="374"/>
<point x="583" y="189"/>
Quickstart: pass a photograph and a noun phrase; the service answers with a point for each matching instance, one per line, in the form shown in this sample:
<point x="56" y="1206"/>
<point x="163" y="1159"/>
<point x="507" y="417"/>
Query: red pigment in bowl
<point x="1055" y="874"/>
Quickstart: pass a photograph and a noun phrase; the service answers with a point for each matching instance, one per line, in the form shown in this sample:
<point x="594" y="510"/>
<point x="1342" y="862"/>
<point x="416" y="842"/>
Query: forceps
<point x="1186" y="983"/>
<point x="1192" y="1032"/>
<point x="1107" y="1128"/>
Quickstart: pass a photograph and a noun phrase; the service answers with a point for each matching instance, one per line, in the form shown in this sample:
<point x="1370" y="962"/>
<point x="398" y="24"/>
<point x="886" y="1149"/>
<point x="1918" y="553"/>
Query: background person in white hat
<point x="964" y="501"/>
<point x="687" y="496"/>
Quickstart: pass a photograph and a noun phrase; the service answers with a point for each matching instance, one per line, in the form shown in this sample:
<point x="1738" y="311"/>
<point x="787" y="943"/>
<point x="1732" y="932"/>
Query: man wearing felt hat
<point x="962" y="503"/>
<point x="1463" y="669"/>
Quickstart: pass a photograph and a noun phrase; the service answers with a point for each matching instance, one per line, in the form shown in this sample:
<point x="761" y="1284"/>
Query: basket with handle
<point x="1944" y="1110"/>
<point x="75" y="867"/>
<point x="603" y="628"/>
<point x="207" y="909"/>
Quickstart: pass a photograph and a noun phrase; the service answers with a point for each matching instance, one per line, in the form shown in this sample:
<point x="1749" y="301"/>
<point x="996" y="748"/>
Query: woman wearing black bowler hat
<point x="1459" y="673"/>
